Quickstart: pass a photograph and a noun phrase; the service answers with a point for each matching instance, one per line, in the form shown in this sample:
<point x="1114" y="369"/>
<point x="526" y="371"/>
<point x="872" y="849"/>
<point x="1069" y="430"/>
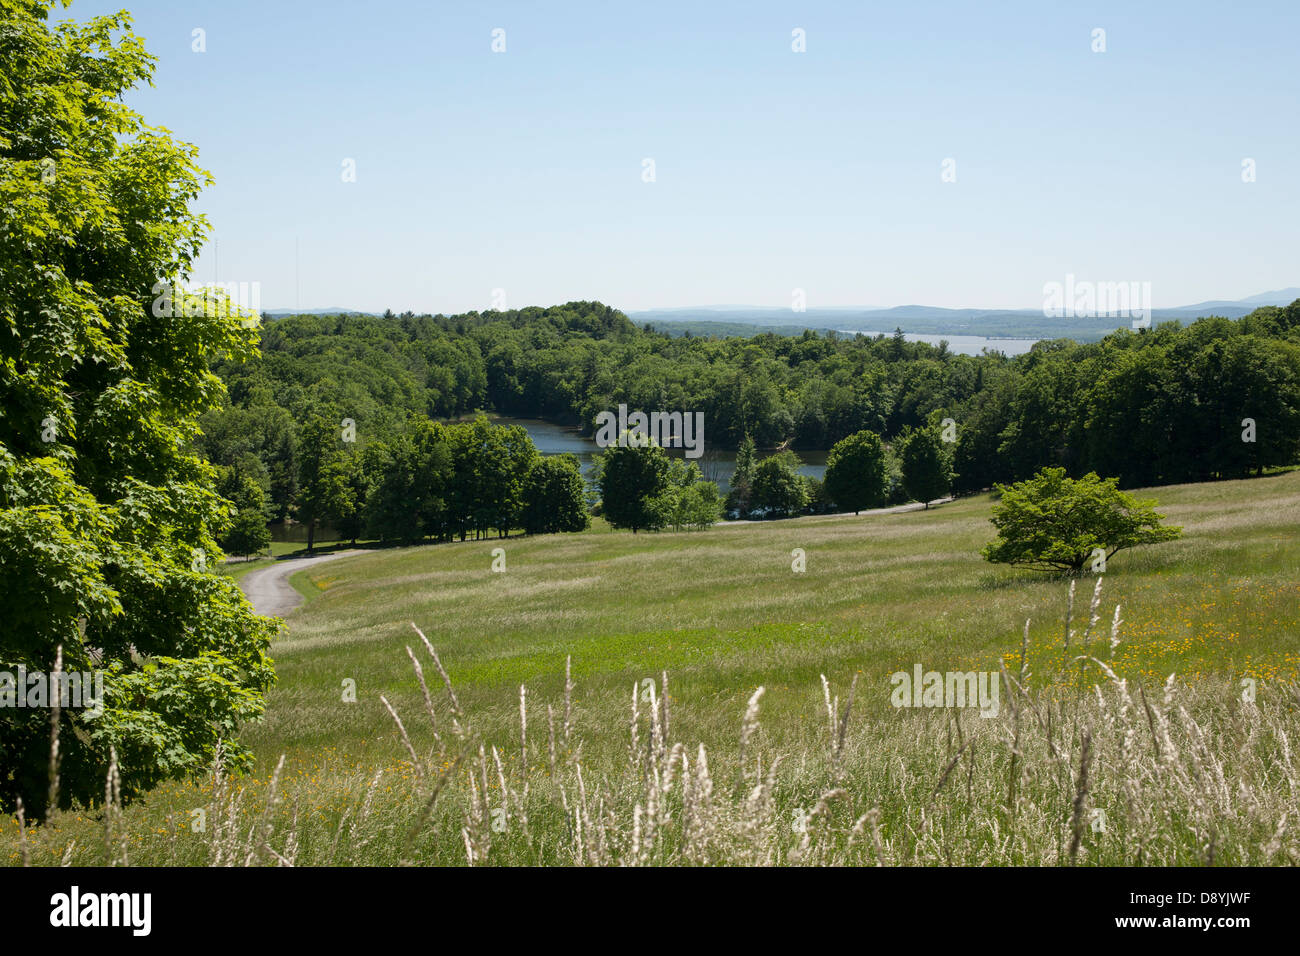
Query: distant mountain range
<point x="730" y="312"/>
<point x="918" y="319"/>
<point x="932" y="320"/>
<point x="1250" y="303"/>
<point x="335" y="310"/>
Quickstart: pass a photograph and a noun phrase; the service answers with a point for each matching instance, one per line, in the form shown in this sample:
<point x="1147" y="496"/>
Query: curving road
<point x="269" y="589"/>
<point x="896" y="509"/>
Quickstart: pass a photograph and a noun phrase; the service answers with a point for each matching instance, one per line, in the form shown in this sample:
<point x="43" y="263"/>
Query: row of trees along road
<point x="435" y="480"/>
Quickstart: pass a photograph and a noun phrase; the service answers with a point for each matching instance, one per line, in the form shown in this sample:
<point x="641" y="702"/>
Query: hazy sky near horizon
<point x="774" y="170"/>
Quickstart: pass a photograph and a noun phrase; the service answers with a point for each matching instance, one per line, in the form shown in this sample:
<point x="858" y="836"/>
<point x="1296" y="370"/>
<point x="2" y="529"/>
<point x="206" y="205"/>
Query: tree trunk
<point x="311" y="534"/>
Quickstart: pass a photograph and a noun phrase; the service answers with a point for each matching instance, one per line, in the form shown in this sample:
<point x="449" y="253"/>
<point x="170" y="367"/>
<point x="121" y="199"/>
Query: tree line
<point x="454" y="480"/>
<point x="428" y="480"/>
<point x="1217" y="398"/>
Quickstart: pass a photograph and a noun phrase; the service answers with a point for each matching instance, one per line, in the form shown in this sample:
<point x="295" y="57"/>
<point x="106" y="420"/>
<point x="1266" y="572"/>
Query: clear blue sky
<point x="775" y="170"/>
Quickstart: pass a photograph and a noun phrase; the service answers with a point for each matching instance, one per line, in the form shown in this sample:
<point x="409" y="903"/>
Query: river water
<point x="961" y="344"/>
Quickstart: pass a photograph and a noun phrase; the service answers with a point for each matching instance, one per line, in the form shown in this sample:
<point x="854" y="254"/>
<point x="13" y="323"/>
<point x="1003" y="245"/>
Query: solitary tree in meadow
<point x="1054" y="523"/>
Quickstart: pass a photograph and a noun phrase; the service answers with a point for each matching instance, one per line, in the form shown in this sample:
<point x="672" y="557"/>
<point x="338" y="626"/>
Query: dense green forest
<point x="1163" y="405"/>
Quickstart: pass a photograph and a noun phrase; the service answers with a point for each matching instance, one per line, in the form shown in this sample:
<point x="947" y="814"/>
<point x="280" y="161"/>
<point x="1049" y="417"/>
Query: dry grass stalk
<point x="23" y="850"/>
<point x="523" y="732"/>
<point x="663" y="703"/>
<point x="747" y="728"/>
<point x="55" y="710"/>
<point x="115" y="835"/>
<point x="457" y="714"/>
<point x="844" y="727"/>
<point x="424" y="691"/>
<point x="1080" y="795"/>
<point x="568" y="697"/>
<point x="261" y="833"/>
<point x="416" y="763"/>
<point x="550" y="739"/>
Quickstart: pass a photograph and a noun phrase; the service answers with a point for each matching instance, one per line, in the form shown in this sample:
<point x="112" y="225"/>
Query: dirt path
<point x="269" y="588"/>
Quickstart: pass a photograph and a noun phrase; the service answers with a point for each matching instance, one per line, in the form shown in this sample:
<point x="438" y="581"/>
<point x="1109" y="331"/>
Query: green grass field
<point x="723" y="613"/>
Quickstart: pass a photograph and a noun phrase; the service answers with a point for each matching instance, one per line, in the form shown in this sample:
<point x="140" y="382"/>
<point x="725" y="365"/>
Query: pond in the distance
<point x="716" y="464"/>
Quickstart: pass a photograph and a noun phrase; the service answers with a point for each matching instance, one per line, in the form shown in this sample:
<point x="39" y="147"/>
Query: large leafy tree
<point x="689" y="501"/>
<point x="554" y="496"/>
<point x="407" y="485"/>
<point x="742" y="479"/>
<point x="108" y="521"/>
<point x="351" y="521"/>
<point x="392" y="510"/>
<point x="778" y="486"/>
<point x="927" y="464"/>
<point x="1054" y="523"/>
<point x="855" y="472"/>
<point x="324" y="491"/>
<point x="266" y="432"/>
<point x="248" y="533"/>
<point x="507" y="456"/>
<point x="633" y="481"/>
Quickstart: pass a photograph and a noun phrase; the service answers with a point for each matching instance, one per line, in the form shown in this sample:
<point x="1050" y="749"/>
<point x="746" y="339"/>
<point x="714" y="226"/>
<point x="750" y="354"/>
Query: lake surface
<point x="717" y="465"/>
<point x="962" y="344"/>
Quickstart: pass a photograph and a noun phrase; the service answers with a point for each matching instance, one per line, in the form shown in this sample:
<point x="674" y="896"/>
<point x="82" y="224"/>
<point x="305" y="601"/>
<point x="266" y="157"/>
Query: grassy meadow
<point x="668" y="755"/>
